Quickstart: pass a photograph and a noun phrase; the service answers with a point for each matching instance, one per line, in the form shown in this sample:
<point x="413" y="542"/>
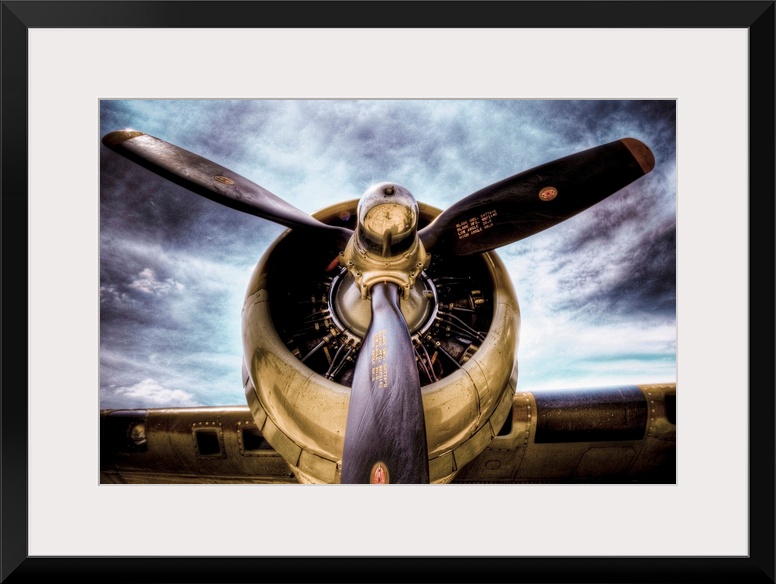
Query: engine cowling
<point x="303" y="322"/>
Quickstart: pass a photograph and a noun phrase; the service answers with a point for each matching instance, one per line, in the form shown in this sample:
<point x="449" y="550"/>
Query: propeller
<point x="385" y="436"/>
<point x="214" y="182"/>
<point x="529" y="202"/>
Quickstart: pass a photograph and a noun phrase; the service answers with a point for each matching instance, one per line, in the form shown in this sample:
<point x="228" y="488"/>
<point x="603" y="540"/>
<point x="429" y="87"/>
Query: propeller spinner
<point x="385" y="434"/>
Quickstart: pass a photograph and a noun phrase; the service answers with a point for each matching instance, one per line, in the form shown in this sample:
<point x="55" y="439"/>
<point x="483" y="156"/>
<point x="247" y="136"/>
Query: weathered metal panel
<point x="647" y="455"/>
<point x="320" y="468"/>
<point x="591" y="415"/>
<point x="167" y="451"/>
<point x="441" y="467"/>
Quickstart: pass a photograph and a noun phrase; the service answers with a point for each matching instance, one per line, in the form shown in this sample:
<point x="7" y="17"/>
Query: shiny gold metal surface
<point x="385" y="247"/>
<point x="367" y="268"/>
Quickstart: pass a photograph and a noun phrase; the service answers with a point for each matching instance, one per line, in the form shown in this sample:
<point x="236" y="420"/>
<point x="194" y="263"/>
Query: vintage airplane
<point x="385" y="351"/>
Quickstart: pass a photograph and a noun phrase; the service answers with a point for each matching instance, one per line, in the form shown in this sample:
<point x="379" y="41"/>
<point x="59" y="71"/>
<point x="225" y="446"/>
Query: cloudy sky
<point x="597" y="293"/>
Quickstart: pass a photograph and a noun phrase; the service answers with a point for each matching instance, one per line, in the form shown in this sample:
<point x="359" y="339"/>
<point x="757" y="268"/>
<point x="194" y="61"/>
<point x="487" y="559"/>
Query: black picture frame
<point x="19" y="16"/>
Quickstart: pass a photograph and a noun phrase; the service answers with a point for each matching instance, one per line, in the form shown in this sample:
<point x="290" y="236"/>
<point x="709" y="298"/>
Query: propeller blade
<point x="385" y="436"/>
<point x="212" y="180"/>
<point x="532" y="201"/>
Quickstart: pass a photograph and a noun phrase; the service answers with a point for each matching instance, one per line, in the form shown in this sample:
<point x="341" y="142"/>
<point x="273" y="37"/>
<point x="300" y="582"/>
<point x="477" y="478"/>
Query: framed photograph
<point x="593" y="271"/>
<point x="242" y="82"/>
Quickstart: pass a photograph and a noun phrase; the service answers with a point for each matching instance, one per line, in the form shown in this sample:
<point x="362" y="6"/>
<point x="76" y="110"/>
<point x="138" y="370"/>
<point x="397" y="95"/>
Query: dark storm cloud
<point x="649" y="287"/>
<point x="642" y="282"/>
<point x="596" y="121"/>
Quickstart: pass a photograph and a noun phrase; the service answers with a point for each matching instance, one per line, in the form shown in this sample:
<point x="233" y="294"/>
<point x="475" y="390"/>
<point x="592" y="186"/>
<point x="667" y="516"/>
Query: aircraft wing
<point x="187" y="445"/>
<point x="609" y="435"/>
<point x="624" y="434"/>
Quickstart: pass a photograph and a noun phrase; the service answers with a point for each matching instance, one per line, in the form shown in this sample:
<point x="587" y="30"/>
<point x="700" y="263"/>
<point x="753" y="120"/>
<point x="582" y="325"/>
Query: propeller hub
<point x="387" y="219"/>
<point x="385" y="246"/>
